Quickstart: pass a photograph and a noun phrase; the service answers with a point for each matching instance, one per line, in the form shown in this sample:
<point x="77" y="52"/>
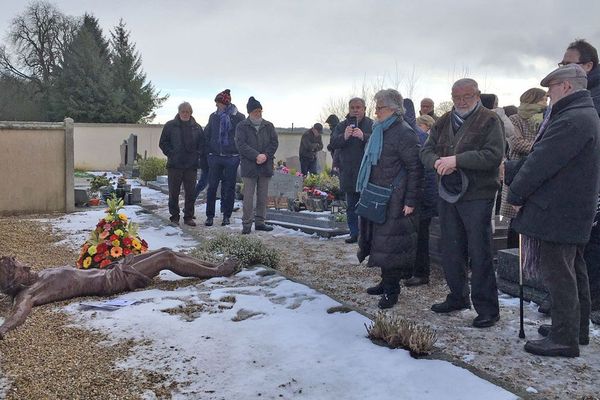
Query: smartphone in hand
<point x="352" y="122"/>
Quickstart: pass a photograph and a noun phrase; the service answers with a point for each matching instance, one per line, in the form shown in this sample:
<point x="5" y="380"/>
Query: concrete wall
<point x="36" y="167"/>
<point x="97" y="146"/>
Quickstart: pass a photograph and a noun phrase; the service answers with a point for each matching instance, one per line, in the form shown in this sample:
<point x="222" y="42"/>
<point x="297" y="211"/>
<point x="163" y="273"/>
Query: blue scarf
<point x="373" y="151"/>
<point x="225" y="123"/>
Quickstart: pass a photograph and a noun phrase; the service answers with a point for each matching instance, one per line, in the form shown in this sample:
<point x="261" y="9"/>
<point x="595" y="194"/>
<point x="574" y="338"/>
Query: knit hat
<point x="253" y="104"/>
<point x="318" y="127"/>
<point x="224" y="97"/>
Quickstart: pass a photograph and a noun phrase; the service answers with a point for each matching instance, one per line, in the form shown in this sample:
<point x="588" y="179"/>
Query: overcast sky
<point x="294" y="56"/>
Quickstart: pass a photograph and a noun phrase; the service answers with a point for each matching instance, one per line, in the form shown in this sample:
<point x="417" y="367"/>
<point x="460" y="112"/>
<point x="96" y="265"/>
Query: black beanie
<point x="253" y="104"/>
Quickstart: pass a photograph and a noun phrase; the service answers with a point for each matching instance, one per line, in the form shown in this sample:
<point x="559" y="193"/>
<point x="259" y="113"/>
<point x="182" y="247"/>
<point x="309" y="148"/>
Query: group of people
<point x="228" y="141"/>
<point x="544" y="160"/>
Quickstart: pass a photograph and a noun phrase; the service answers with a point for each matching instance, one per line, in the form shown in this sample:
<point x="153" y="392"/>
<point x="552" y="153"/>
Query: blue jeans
<point x="351" y="201"/>
<point x="202" y="183"/>
<point x="221" y="169"/>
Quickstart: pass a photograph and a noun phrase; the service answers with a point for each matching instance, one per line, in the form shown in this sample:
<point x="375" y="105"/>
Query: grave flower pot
<point x="94" y="202"/>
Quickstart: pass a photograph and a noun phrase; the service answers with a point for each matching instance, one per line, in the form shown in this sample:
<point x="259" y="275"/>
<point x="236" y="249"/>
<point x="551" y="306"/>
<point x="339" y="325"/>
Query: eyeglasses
<point x="563" y="63"/>
<point x="465" y="98"/>
<point x="380" y="108"/>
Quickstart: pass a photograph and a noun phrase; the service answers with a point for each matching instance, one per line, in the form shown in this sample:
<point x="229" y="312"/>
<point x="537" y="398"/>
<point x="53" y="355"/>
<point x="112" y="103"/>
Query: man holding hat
<point x="257" y="143"/>
<point x="555" y="193"/>
<point x="465" y="147"/>
<point x="310" y="144"/>
<point x="222" y="156"/>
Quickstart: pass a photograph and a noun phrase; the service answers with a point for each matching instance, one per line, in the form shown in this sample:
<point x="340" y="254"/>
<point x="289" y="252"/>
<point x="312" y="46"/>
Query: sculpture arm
<point x="21" y="309"/>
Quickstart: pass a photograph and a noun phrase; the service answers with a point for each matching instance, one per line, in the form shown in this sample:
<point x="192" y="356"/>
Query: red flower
<point x="107" y="227"/>
<point x="101" y="248"/>
<point x="98" y="258"/>
<point x="144" y="243"/>
<point x="104" y="263"/>
<point x="113" y="237"/>
<point x="127" y="242"/>
<point x="126" y="251"/>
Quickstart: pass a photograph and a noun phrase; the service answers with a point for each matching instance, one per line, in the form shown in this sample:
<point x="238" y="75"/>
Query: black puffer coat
<point x="182" y="143"/>
<point x="392" y="246"/>
<point x="251" y="143"/>
<point x="350" y="152"/>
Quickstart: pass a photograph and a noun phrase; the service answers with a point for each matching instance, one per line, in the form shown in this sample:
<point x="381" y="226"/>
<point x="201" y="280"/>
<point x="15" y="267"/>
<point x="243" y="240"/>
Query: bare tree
<point x="443" y="107"/>
<point x="37" y="40"/>
<point x="367" y="90"/>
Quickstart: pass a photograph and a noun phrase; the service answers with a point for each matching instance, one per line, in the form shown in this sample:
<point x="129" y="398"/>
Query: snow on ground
<point x="277" y="340"/>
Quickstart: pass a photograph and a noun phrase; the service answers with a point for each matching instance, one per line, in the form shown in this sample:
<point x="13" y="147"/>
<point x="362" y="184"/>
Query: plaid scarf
<point x="225" y="123"/>
<point x="458" y="120"/>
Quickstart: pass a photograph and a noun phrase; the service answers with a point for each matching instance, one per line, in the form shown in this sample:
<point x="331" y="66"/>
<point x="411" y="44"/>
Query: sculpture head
<point x="14" y="276"/>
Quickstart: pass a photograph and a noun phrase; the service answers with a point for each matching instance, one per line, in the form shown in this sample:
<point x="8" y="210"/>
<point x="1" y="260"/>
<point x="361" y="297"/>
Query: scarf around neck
<point x="373" y="151"/>
<point x="225" y="123"/>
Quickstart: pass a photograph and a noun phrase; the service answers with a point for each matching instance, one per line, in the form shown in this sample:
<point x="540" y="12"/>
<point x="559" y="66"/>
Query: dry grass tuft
<point x="397" y="332"/>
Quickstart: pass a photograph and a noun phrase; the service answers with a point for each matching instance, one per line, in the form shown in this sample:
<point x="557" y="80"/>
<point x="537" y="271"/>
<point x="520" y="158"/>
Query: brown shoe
<point x="546" y="347"/>
<point x="189" y="222"/>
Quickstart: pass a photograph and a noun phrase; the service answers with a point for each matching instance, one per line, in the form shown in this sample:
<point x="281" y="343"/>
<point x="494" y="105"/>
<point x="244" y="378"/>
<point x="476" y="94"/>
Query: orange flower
<point x="116" y="252"/>
<point x="104" y="235"/>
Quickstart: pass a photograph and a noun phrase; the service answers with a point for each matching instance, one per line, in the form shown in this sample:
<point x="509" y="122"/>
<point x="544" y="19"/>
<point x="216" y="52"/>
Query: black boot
<point x="209" y="221"/>
<point x="391" y="290"/>
<point x="545" y="306"/>
<point x="225" y="221"/>
<point x="376" y="290"/>
<point x="546" y="347"/>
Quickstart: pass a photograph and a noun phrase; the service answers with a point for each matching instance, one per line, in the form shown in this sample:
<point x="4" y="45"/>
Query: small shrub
<point x="99" y="181"/>
<point x="248" y="250"/>
<point x="397" y="332"/>
<point x="152" y="167"/>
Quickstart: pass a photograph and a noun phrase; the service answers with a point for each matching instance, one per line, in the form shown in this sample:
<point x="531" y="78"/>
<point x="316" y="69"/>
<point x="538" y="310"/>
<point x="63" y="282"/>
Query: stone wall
<point x="36" y="167"/>
<point x="97" y="145"/>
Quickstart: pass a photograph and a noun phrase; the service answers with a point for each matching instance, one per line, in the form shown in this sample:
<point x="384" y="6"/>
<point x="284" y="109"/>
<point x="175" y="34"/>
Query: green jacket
<point x="478" y="146"/>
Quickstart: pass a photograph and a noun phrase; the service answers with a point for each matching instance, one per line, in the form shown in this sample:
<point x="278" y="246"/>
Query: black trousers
<point x="565" y="276"/>
<point x="467" y="234"/>
<point x="177" y="176"/>
<point x="308" y="165"/>
<point x="421" y="268"/>
<point x="221" y="169"/>
<point x="591" y="255"/>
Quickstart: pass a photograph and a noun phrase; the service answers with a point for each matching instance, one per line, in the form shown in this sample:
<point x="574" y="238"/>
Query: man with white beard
<point x="465" y="147"/>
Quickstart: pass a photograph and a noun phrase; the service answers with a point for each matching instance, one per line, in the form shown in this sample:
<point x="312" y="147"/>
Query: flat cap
<point x="560" y="74"/>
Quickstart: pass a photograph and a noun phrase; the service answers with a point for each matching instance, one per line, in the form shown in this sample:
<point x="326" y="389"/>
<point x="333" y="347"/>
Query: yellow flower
<point x="116" y="242"/>
<point x="109" y="218"/>
<point x="87" y="262"/>
<point x="92" y="250"/>
<point x="118" y="232"/>
<point x="123" y="217"/>
<point x="137" y="244"/>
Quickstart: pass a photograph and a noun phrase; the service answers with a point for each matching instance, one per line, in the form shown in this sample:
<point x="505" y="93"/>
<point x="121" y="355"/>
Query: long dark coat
<point x="392" y="246"/>
<point x="250" y="143"/>
<point x="558" y="184"/>
<point x="350" y="152"/>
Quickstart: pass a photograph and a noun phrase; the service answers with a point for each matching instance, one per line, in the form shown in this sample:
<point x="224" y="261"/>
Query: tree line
<point x="54" y="66"/>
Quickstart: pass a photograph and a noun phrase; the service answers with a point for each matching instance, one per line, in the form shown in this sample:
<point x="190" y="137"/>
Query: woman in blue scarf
<point x="392" y="150"/>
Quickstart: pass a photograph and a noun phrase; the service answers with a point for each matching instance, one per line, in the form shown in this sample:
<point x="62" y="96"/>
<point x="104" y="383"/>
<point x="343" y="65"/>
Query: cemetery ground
<point x="64" y="352"/>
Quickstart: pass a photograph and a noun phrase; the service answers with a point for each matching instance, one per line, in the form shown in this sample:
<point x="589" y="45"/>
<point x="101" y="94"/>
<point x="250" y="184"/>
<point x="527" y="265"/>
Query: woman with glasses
<point x="391" y="160"/>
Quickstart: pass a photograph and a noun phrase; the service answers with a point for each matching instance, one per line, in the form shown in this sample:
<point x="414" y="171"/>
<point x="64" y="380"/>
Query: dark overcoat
<point x="392" y="245"/>
<point x="558" y="183"/>
<point x="350" y="152"/>
<point x="182" y="143"/>
<point x="250" y="143"/>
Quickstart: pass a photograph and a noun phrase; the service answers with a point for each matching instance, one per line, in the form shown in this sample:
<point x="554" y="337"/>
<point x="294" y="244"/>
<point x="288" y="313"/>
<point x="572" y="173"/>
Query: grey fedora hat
<point x="453" y="186"/>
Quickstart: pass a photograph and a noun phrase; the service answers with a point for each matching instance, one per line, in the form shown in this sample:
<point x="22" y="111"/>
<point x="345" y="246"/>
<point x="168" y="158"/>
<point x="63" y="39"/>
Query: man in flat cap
<point x="555" y="193"/>
<point x="583" y="53"/>
<point x="467" y="142"/>
<point x="310" y="144"/>
<point x="256" y="140"/>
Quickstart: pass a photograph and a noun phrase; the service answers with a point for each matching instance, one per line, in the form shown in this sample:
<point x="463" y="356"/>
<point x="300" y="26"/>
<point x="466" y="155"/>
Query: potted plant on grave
<point x="96" y="184"/>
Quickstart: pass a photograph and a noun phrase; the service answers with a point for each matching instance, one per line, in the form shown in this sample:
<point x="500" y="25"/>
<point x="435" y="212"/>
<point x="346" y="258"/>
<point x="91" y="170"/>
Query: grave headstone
<point x="285" y="185"/>
<point x="128" y="150"/>
<point x="293" y="162"/>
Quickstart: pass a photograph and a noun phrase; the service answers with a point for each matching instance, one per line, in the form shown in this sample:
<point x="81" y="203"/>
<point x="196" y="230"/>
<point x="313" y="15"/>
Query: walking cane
<point x="521" y="330"/>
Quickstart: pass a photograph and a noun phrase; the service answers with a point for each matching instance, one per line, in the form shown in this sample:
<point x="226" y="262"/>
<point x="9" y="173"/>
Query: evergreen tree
<point x="138" y="98"/>
<point x="84" y="87"/>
